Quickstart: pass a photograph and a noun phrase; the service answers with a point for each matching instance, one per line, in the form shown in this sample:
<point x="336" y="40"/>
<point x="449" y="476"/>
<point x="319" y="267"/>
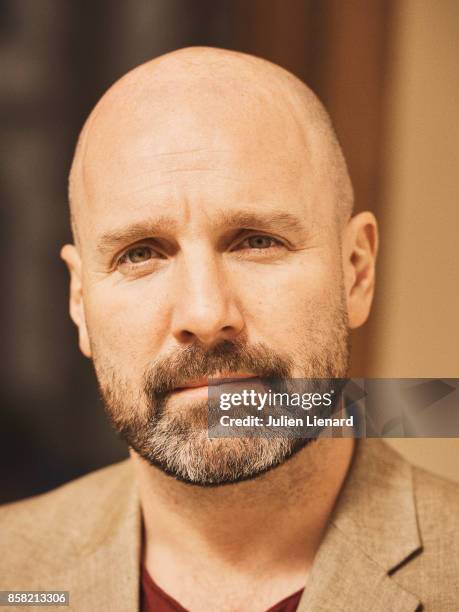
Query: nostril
<point x="186" y="335"/>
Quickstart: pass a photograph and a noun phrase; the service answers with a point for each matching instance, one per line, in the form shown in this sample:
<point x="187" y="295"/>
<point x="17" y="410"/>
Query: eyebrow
<point x="280" y="221"/>
<point x="113" y="239"/>
<point x="275" y="221"/>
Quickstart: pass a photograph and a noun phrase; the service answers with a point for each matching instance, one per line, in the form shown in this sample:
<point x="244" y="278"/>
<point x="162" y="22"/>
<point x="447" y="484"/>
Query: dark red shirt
<point x="154" y="599"/>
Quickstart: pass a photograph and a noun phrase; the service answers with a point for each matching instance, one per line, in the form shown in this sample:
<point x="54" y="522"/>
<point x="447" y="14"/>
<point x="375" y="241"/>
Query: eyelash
<point x="275" y="242"/>
<point x="122" y="260"/>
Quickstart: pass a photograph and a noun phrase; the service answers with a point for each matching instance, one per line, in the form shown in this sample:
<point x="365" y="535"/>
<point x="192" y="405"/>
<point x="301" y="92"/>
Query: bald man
<point x="214" y="238"/>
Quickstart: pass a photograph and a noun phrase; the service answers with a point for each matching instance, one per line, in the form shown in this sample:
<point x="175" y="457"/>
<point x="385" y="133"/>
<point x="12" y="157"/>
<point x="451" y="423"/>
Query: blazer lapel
<point x="106" y="575"/>
<point x="373" y="531"/>
<point x="343" y="578"/>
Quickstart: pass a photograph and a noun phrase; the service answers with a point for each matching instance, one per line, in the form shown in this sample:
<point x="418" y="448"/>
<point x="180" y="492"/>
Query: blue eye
<point x="259" y="242"/>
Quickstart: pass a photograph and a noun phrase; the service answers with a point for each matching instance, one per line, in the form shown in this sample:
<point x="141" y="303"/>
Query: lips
<point x="222" y="379"/>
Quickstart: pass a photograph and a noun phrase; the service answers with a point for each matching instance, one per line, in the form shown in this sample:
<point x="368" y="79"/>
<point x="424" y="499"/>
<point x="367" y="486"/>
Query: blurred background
<point x="387" y="72"/>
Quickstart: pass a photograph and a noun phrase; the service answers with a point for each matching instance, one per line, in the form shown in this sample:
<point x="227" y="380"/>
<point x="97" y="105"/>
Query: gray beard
<point x="177" y="442"/>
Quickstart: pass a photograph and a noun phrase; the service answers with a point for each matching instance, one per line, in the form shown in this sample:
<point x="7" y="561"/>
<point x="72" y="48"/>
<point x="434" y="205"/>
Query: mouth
<point x="223" y="379"/>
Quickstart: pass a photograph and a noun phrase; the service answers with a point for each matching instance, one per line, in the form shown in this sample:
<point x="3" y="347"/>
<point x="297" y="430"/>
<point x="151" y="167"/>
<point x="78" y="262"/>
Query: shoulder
<point x="48" y="528"/>
<point x="436" y="499"/>
<point x="69" y="499"/>
<point x="437" y="502"/>
<point x="407" y="520"/>
<point x="433" y="573"/>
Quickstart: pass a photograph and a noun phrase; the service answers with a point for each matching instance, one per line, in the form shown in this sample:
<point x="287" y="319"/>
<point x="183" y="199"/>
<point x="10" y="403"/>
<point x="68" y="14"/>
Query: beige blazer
<point x="392" y="544"/>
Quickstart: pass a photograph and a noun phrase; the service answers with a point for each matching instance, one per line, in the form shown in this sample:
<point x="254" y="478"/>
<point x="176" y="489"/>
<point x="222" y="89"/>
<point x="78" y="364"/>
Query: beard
<point x="175" y="439"/>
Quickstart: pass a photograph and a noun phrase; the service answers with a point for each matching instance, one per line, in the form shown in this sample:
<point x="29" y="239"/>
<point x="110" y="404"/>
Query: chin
<point x="205" y="462"/>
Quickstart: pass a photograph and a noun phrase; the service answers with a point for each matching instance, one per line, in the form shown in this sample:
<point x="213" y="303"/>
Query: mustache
<point x="195" y="361"/>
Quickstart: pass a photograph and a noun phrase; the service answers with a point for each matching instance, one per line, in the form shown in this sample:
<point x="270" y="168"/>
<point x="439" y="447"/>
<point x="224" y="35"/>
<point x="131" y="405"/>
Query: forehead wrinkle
<point x="282" y="107"/>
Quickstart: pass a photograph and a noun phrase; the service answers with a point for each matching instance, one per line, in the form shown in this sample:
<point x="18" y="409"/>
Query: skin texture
<point x="180" y="169"/>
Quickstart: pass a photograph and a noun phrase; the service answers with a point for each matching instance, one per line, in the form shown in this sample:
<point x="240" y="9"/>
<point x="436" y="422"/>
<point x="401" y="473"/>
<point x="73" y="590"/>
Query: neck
<point x="277" y="518"/>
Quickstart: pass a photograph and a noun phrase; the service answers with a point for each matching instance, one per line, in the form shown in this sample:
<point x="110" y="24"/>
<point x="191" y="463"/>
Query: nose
<point x="205" y="308"/>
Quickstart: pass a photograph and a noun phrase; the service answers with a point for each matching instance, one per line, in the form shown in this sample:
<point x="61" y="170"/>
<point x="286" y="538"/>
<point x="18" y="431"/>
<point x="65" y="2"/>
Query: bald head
<point x="205" y="99"/>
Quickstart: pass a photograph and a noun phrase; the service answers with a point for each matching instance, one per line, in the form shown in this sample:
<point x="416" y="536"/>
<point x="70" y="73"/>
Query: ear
<point x="70" y="255"/>
<point x="360" y="246"/>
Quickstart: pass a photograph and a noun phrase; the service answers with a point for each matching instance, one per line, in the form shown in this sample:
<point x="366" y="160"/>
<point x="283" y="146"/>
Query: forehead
<point x="155" y="157"/>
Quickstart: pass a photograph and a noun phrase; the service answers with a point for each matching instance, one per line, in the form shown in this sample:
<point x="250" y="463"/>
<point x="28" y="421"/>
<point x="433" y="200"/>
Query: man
<point x="214" y="237"/>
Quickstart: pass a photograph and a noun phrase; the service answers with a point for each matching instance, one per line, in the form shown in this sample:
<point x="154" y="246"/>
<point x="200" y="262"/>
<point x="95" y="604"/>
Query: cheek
<point x="285" y="304"/>
<point x="126" y="322"/>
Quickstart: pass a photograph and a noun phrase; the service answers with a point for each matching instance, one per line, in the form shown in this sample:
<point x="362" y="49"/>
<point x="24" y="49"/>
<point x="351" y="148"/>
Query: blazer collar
<point x="373" y="531"/>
